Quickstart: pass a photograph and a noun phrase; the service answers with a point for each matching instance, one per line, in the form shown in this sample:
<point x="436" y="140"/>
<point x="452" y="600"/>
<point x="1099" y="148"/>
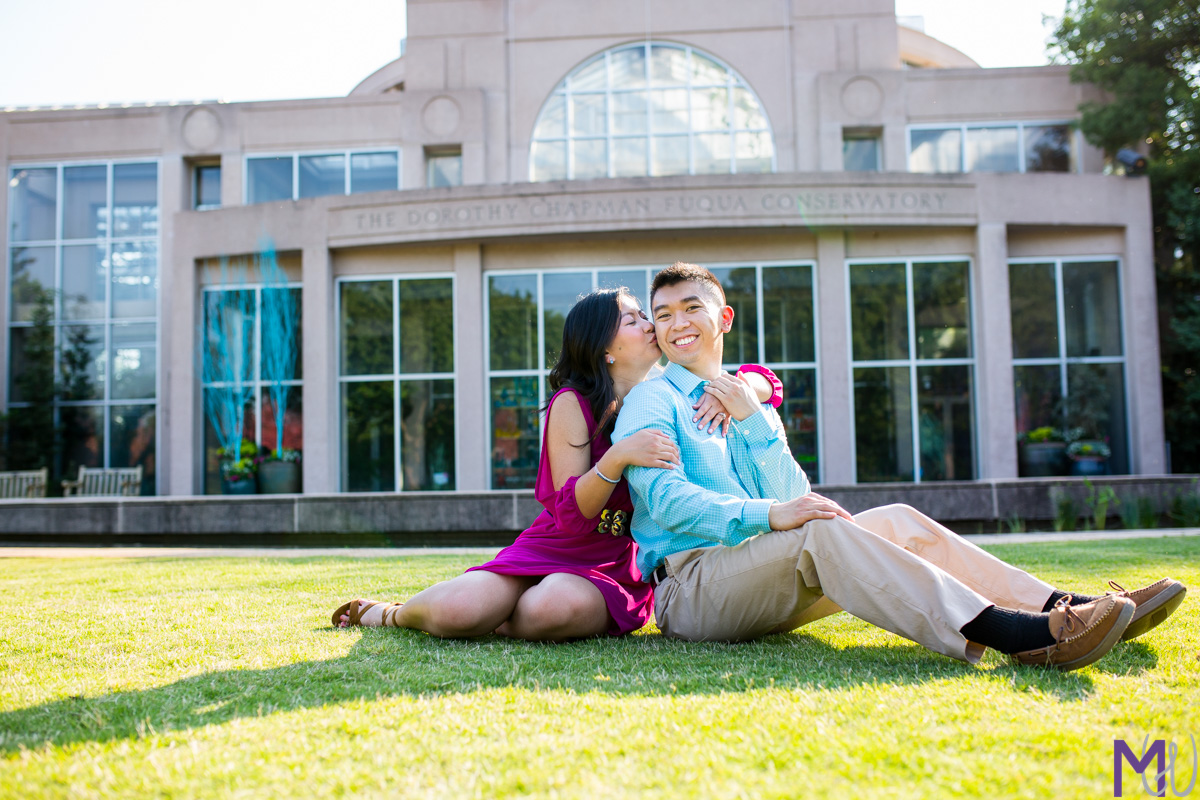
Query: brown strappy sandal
<point x="356" y="608"/>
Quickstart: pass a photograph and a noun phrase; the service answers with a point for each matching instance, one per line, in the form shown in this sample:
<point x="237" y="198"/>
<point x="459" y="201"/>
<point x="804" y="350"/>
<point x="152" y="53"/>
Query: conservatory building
<point x="926" y="252"/>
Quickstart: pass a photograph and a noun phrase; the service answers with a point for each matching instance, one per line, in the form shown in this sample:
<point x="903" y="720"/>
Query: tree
<point x="1146" y="55"/>
<point x="33" y="438"/>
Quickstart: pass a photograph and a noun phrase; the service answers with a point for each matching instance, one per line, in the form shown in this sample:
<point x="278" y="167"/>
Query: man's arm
<point x="673" y="502"/>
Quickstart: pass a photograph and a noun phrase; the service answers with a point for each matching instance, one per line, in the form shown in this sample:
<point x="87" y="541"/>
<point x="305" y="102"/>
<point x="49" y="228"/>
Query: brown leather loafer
<point x="1154" y="603"/>
<point x="1082" y="634"/>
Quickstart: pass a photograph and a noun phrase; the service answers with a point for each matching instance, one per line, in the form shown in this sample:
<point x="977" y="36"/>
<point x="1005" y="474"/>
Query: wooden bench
<point x="117" y="482"/>
<point x="26" y="483"/>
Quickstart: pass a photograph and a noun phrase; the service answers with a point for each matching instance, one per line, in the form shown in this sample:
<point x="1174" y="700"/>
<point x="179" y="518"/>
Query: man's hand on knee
<point x="794" y="513"/>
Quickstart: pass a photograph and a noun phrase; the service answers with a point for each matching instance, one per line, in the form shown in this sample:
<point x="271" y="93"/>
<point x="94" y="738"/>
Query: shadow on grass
<point x="406" y="663"/>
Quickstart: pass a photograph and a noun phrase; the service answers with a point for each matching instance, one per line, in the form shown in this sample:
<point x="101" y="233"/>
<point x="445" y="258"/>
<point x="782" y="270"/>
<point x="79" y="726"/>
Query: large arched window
<point x="650" y="109"/>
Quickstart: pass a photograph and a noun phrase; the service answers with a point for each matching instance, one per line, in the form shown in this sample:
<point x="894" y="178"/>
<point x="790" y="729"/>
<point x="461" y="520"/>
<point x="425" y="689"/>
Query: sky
<point x="84" y="52"/>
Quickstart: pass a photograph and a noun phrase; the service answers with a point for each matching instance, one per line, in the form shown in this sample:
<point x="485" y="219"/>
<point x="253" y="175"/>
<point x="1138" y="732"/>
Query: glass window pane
<point x="365" y="321"/>
<point x="552" y="122"/>
<point x="445" y="170"/>
<point x="788" y="314"/>
<point x="670" y="155"/>
<point x="747" y="112"/>
<point x="945" y="420"/>
<point x="936" y="151"/>
<point x="133" y="438"/>
<point x="741" y="343"/>
<point x="1096" y="409"/>
<point x="992" y="150"/>
<point x="710" y="109"/>
<point x="293" y="419"/>
<point x="591" y="77"/>
<point x="883" y="424"/>
<point x="512" y="321"/>
<point x="629" y="113"/>
<point x="712" y="153"/>
<point x="860" y="155"/>
<point x="878" y="312"/>
<point x="133" y="361"/>
<point x="208" y="187"/>
<point x="281" y="335"/>
<point x="81" y="362"/>
<point x="34" y="198"/>
<point x="707" y="71"/>
<point x="590" y="158"/>
<point x="634" y="280"/>
<point x="669" y="111"/>
<point x="426" y="326"/>
<point x="32" y="367"/>
<point x="368" y="437"/>
<point x="628" y="67"/>
<point x="1048" y="148"/>
<point x="589" y="115"/>
<point x="268" y="179"/>
<point x="135" y="200"/>
<point x="560" y="290"/>
<point x="1092" y="309"/>
<point x="212" y="458"/>
<point x="799" y="414"/>
<point x="548" y="161"/>
<point x="82" y="438"/>
<point x="85" y="202"/>
<point x="374" y="172"/>
<point x="32" y="281"/>
<point x="942" y="313"/>
<point x="754" y="152"/>
<point x="668" y="65"/>
<point x="630" y="158"/>
<point x="1038" y="395"/>
<point x="229" y="319"/>
<point x="1032" y="295"/>
<point x="427" y="436"/>
<point x="322" y="175"/>
<point x="515" y="444"/>
<point x="135" y="279"/>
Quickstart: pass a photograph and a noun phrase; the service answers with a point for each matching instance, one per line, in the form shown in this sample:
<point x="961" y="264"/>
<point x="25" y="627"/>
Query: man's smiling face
<point x="690" y="323"/>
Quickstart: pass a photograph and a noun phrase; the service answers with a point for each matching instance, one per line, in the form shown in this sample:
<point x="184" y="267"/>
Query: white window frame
<point x="1020" y="125"/>
<point x="912" y="363"/>
<point x="395" y="376"/>
<point x="296" y="155"/>
<point x="563" y="88"/>
<point x="542" y="370"/>
<point x="107" y="241"/>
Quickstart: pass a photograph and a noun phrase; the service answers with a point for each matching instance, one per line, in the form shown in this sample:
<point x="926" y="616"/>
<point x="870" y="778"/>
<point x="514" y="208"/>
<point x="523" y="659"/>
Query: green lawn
<point x="222" y="677"/>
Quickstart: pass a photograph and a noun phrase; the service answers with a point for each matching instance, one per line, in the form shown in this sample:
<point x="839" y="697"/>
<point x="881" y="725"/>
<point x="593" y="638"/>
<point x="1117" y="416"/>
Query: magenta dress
<point x="598" y="548"/>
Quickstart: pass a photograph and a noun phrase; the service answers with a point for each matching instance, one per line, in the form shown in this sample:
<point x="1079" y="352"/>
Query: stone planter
<point x="1043" y="459"/>
<point x="244" y="486"/>
<point x="279" y="477"/>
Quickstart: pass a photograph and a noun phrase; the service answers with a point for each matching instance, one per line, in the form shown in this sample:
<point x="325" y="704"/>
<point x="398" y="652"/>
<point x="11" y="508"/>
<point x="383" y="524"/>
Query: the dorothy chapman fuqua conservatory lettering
<point x="744" y="204"/>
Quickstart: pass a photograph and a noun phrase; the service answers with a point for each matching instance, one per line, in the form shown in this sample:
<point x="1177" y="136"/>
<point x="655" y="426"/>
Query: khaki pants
<point x="893" y="567"/>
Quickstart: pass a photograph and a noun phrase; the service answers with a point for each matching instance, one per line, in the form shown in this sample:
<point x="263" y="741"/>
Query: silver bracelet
<point x="604" y="477"/>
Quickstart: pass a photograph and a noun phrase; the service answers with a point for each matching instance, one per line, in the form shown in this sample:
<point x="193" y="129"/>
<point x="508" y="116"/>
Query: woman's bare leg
<point x="473" y="604"/>
<point x="560" y="607"/>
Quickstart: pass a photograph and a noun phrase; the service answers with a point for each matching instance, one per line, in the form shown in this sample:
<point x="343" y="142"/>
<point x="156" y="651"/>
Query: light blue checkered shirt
<point x="726" y="485"/>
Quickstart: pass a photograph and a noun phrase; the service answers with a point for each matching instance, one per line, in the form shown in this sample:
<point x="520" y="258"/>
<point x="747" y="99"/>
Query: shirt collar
<point x="683" y="379"/>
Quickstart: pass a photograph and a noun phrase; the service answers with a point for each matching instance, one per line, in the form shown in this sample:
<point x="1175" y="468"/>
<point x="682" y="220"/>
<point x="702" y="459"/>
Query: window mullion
<point x="912" y="369"/>
<point x="1060" y="310"/>
<point x="397" y="459"/>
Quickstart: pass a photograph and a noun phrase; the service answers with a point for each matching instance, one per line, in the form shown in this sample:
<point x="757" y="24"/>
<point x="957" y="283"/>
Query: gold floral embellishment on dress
<point x="614" y="522"/>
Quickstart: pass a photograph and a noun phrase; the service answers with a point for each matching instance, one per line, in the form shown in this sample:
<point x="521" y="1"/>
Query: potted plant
<point x="279" y="472"/>
<point x="1088" y="457"/>
<point x="237" y="473"/>
<point x="1042" y="452"/>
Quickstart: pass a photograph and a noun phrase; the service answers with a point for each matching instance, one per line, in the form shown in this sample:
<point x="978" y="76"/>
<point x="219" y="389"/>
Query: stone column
<point x="471" y="412"/>
<point x="177" y="339"/>
<point x="995" y="408"/>
<point x="1147" y="435"/>
<point x="320" y="370"/>
<point x="835" y="423"/>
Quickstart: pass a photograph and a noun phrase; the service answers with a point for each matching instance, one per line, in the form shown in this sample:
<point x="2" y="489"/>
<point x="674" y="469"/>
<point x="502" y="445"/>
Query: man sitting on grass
<point x="739" y="546"/>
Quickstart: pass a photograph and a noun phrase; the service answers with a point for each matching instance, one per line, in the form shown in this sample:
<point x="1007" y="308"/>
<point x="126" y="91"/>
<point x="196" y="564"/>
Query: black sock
<point x="1076" y="599"/>
<point x="1009" y="631"/>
